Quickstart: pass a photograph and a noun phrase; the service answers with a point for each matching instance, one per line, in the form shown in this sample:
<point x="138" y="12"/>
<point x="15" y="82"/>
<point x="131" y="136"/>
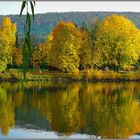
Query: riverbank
<point x="15" y="75"/>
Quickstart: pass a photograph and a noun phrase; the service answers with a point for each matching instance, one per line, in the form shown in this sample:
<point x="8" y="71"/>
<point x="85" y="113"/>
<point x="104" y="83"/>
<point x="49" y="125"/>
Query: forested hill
<point x="44" y="23"/>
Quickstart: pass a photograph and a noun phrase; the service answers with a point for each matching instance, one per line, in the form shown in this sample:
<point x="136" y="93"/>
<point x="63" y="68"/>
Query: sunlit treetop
<point x="7" y="42"/>
<point x="117" y="42"/>
<point x="6" y="22"/>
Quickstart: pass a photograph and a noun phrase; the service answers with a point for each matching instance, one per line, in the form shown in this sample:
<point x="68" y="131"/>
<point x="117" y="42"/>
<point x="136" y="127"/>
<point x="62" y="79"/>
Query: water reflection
<point x="109" y="110"/>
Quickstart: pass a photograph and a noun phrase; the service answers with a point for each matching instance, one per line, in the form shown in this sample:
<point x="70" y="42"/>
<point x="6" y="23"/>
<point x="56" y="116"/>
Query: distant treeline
<point x="44" y="23"/>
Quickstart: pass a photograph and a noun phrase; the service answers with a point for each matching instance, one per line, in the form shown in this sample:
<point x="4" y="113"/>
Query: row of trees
<point x="113" y="43"/>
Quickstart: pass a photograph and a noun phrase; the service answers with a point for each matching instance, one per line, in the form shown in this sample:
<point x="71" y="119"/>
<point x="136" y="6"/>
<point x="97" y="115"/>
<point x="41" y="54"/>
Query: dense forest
<point x="44" y="23"/>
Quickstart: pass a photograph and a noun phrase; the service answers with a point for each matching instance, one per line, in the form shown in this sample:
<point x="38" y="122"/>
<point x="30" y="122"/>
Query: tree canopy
<point x="7" y="41"/>
<point x="117" y="43"/>
<point x="65" y="47"/>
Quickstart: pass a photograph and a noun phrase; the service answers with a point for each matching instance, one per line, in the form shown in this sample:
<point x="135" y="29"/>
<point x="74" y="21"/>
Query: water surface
<point x="71" y="110"/>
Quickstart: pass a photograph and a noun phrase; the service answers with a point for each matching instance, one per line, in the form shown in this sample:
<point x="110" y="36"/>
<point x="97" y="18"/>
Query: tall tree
<point x="7" y="42"/>
<point x="65" y="47"/>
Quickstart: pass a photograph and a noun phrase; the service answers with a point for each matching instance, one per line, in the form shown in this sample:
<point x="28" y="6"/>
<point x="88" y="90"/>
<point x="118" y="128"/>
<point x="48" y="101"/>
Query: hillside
<point x="44" y="23"/>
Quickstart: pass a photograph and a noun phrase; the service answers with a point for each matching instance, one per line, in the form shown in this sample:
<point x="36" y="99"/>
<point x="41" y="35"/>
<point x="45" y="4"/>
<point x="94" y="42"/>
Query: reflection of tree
<point x="10" y="98"/>
<point x="6" y="112"/>
<point x="61" y="108"/>
<point x="114" y="112"/>
<point x="106" y="109"/>
<point x="109" y="110"/>
<point x="64" y="111"/>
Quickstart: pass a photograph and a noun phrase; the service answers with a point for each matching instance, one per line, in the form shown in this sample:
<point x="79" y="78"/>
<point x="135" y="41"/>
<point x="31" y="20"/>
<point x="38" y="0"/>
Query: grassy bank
<point x="14" y="75"/>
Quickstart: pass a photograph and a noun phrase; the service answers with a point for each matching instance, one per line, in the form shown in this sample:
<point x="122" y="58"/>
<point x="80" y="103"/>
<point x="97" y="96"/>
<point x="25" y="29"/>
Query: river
<point x="69" y="110"/>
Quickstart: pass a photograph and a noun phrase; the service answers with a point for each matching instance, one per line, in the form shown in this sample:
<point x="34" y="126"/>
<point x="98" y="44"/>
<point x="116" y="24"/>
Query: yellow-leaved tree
<point x="117" y="43"/>
<point x="7" y="41"/>
<point x="64" y="53"/>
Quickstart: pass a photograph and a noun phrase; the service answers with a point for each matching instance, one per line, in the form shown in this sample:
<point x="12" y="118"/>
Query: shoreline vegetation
<point x="91" y="75"/>
<point x="104" y="51"/>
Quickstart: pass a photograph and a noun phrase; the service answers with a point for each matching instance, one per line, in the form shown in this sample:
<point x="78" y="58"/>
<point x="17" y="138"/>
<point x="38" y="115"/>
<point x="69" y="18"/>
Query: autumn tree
<point x="88" y="31"/>
<point x="65" y="47"/>
<point x="117" y="43"/>
<point x="41" y="52"/>
<point x="17" y="57"/>
<point x="93" y="26"/>
<point x="7" y="41"/>
<point x="85" y="50"/>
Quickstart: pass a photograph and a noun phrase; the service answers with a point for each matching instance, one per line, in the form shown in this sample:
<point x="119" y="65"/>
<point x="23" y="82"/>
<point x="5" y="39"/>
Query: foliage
<point x="93" y="26"/>
<point x="17" y="56"/>
<point x="117" y="43"/>
<point x="112" y="44"/>
<point x="44" y="23"/>
<point x="7" y="41"/>
<point x="41" y="52"/>
<point x="27" y="47"/>
<point x="85" y="50"/>
<point x="65" y="47"/>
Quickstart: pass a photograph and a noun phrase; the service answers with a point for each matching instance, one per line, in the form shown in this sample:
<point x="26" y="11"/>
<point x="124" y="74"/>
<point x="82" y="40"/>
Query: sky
<point x="61" y="6"/>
